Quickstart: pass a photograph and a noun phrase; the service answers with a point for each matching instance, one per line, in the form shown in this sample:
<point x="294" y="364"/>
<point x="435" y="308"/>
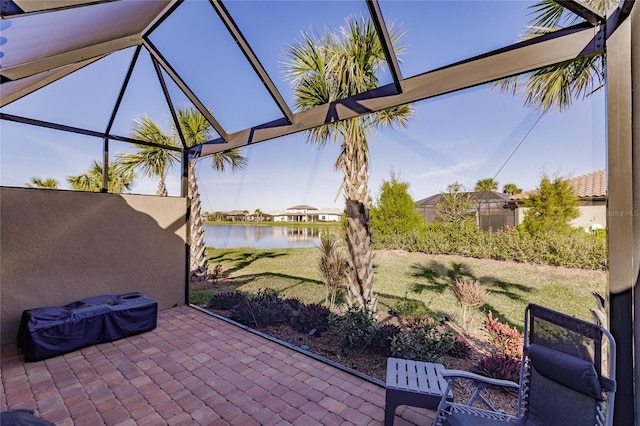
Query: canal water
<point x="261" y="237"/>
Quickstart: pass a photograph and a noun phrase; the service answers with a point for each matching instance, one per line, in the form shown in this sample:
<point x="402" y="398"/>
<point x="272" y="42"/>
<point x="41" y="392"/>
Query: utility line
<point x="518" y="146"/>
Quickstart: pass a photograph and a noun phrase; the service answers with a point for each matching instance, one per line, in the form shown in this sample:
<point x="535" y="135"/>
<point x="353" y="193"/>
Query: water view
<point x="261" y="237"/>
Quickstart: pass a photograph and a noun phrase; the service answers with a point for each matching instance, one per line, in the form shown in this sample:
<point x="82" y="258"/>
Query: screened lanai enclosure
<point x="77" y="76"/>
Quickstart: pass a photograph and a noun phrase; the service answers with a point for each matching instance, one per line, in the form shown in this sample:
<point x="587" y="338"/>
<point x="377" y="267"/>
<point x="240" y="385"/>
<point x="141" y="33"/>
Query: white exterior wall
<point x="591" y="216"/>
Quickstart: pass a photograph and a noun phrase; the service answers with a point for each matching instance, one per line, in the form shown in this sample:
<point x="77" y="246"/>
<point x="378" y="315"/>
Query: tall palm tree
<point x="48" y="183"/>
<point x="118" y="180"/>
<point x="197" y="130"/>
<point x="487" y="184"/>
<point x="557" y="86"/>
<point x="334" y="66"/>
<point x="155" y="161"/>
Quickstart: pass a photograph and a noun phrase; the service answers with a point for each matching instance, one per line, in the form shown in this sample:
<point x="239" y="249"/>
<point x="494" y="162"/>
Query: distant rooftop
<point x="486" y="196"/>
<point x="302" y="207"/>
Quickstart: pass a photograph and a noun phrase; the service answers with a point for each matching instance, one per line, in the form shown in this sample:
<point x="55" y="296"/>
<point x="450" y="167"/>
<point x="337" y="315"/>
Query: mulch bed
<point x="329" y="345"/>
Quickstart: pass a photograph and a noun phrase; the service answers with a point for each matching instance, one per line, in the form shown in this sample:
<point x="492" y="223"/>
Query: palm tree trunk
<point x="355" y="165"/>
<point x="198" y="258"/>
<point x="162" y="188"/>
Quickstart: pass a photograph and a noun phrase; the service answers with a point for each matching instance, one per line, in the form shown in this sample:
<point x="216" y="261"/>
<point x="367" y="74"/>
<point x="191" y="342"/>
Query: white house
<point x="328" y="215"/>
<point x="304" y="213"/>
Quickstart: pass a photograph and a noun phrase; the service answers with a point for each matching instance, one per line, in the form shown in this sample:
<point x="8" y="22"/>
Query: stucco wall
<point x="592" y="213"/>
<point x="60" y="246"/>
<point x="592" y="216"/>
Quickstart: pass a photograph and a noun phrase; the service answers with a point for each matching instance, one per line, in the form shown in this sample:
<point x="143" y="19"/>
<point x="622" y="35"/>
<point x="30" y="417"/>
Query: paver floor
<point x="193" y="369"/>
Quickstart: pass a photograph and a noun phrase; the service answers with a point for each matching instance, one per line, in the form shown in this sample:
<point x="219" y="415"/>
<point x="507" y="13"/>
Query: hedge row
<point x="577" y="249"/>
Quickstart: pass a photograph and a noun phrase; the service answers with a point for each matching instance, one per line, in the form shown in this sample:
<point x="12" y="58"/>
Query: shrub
<point x="262" y="310"/>
<point x="310" y="317"/>
<point x="424" y="340"/>
<point x="460" y="348"/>
<point x="268" y="293"/>
<point x="358" y="327"/>
<point x="216" y="272"/>
<point x="226" y="300"/>
<point x="470" y="295"/>
<point x="498" y="366"/>
<point x="574" y="249"/>
<point x="332" y="265"/>
<point x="294" y="302"/>
<point x="383" y="337"/>
<point x="507" y="340"/>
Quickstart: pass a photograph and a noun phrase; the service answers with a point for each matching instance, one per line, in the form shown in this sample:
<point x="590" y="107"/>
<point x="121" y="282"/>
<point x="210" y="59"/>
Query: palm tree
<point x="487" y="184"/>
<point x="556" y="86"/>
<point x="150" y="160"/>
<point x="48" y="183"/>
<point x="118" y="180"/>
<point x="156" y="161"/>
<point x="334" y="66"/>
<point x="511" y="189"/>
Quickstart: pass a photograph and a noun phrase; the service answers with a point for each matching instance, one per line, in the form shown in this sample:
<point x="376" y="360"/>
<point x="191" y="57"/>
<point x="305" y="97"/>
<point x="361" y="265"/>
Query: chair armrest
<point x="459" y="374"/>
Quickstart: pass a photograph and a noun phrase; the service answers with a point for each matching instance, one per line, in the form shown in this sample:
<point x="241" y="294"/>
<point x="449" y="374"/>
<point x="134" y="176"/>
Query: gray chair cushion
<point x="466" y="419"/>
<point x="567" y="370"/>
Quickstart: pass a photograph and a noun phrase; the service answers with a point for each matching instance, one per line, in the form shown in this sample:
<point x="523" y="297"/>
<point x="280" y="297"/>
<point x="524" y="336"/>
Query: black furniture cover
<point x="22" y="417"/>
<point x="51" y="331"/>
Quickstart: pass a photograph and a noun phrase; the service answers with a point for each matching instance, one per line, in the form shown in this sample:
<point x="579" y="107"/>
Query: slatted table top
<point x="416" y="376"/>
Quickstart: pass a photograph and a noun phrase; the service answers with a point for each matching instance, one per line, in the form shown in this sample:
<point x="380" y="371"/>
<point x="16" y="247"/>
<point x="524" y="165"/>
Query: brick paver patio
<point x="193" y="369"/>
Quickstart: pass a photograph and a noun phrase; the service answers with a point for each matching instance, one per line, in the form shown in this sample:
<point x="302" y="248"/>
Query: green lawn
<point x="417" y="280"/>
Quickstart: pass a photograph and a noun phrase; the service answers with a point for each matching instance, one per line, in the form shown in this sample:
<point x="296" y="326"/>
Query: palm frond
<point x="119" y="180"/>
<point x="547" y="13"/>
<point x="232" y="159"/>
<point x="556" y="86"/>
<point x="145" y="129"/>
<point x="397" y="116"/>
<point x="196" y="129"/>
<point x="48" y="183"/>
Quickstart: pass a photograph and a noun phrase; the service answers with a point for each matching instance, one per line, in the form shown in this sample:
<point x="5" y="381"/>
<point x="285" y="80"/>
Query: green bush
<point x="357" y="326"/>
<point x="226" y="300"/>
<point x="262" y="310"/>
<point x="309" y="317"/>
<point x="574" y="249"/>
<point x="383" y="337"/>
<point x="424" y="340"/>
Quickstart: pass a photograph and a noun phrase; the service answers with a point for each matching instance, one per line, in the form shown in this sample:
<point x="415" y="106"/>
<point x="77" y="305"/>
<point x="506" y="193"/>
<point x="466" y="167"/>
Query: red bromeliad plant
<point x="507" y="340"/>
<point x="498" y="366"/>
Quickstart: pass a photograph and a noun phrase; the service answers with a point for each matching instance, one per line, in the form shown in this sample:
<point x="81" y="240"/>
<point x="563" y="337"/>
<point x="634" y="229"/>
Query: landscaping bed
<point x="371" y="361"/>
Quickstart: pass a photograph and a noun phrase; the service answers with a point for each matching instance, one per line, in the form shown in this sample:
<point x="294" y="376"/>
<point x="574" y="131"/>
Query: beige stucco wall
<point x="60" y="246"/>
<point x="591" y="213"/>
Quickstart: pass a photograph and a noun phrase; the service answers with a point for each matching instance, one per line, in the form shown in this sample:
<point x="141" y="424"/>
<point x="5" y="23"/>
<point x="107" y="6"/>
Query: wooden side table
<point x="414" y="383"/>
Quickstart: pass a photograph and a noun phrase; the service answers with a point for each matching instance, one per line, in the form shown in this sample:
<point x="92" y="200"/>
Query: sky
<point x="461" y="137"/>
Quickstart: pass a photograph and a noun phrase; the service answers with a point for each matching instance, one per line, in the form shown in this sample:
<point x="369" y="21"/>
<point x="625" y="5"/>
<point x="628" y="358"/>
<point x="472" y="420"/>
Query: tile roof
<point x="592" y="185"/>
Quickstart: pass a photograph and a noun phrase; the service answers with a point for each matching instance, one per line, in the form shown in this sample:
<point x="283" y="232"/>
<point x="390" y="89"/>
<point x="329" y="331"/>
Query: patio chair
<point x="561" y="379"/>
